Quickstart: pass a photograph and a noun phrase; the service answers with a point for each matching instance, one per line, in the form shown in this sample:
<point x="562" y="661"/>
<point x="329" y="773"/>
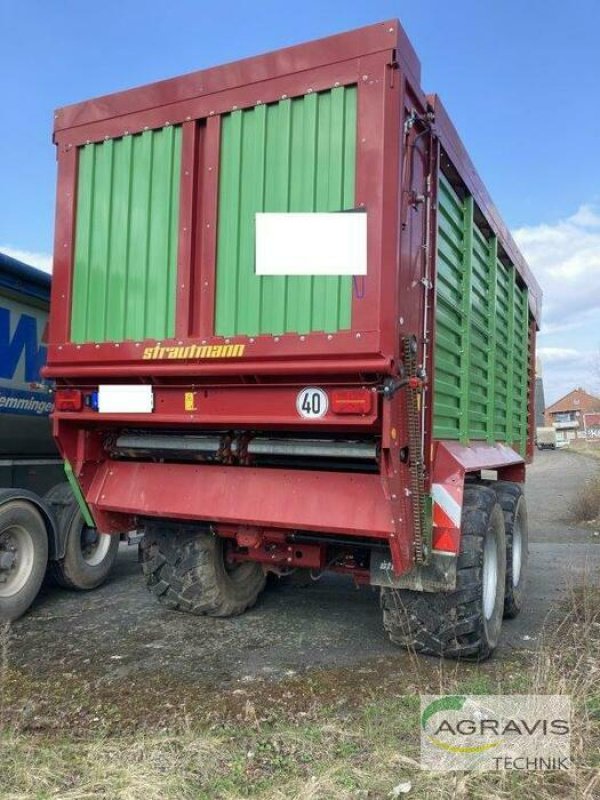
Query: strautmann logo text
<point x="495" y="732"/>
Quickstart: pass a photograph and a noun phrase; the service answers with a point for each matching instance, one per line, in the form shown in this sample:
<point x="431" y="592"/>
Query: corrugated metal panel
<point x="480" y="320"/>
<point x="520" y="361"/>
<point x="126" y="238"/>
<point x="481" y="332"/>
<point x="449" y="335"/>
<point x="502" y="353"/>
<point x="295" y="155"/>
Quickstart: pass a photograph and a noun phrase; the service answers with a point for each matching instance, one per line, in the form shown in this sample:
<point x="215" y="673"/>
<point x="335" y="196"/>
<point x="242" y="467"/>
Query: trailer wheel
<point x="512" y="500"/>
<point x="23" y="557"/>
<point x="464" y="623"/>
<point x="188" y="571"/>
<point x="89" y="555"/>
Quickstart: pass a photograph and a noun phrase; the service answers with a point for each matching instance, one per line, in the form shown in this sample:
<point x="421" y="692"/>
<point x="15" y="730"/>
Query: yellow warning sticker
<point x="190" y="401"/>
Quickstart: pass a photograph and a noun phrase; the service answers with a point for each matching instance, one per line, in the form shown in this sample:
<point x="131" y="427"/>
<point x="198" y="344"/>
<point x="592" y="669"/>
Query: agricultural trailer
<point x="41" y="525"/>
<point x="289" y="330"/>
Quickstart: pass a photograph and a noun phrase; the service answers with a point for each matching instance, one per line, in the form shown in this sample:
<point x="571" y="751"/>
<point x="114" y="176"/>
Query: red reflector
<point x="68" y="400"/>
<point x="446" y="539"/>
<point x="351" y="401"/>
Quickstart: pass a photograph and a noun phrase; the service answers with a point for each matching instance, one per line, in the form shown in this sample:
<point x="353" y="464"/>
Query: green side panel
<point x="521" y="356"/>
<point x="481" y="343"/>
<point x="465" y="313"/>
<point x="297" y="155"/>
<point x="449" y="314"/>
<point x="501" y="383"/>
<point x="491" y="349"/>
<point x="124" y="274"/>
<point x="480" y="325"/>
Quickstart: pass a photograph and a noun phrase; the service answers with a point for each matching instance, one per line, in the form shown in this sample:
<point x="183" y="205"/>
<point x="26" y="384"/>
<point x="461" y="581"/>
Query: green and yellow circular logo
<point x="437" y="720"/>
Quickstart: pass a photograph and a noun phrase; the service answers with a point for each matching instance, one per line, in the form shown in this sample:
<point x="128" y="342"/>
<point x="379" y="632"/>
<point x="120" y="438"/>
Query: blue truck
<point x="42" y="527"/>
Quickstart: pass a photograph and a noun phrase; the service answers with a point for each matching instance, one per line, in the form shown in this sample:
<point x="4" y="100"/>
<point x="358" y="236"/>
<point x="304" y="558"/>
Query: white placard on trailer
<point x="311" y="243"/>
<point x="125" y="399"/>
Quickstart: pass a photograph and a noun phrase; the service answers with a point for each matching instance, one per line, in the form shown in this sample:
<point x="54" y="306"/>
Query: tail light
<point x="68" y="400"/>
<point x="351" y="401"/>
<point x="446" y="540"/>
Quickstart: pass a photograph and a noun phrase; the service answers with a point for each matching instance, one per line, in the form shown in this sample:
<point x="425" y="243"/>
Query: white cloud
<point x="565" y="368"/>
<point x="563" y="327"/>
<point x="40" y="260"/>
<point x="565" y="258"/>
<point x="557" y="354"/>
<point x="587" y="216"/>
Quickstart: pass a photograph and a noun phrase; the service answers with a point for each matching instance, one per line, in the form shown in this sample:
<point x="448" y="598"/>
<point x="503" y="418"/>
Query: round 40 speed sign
<point x="312" y="403"/>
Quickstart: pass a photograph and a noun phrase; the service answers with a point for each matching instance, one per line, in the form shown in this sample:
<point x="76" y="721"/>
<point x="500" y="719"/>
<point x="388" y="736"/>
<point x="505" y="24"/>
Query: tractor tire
<point x="188" y="571"/>
<point x="89" y="555"/>
<point x="513" y="504"/>
<point x="463" y="623"/>
<point x="23" y="557"/>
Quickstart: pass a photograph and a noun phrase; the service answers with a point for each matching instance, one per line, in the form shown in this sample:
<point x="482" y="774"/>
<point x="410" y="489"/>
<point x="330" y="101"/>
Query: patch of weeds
<point x="359" y="739"/>
<point x="478" y="683"/>
<point x="586" y="505"/>
<point x="4" y="649"/>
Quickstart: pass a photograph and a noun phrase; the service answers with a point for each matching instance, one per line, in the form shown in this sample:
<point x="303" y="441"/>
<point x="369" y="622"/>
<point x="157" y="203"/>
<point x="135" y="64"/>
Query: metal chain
<point x="415" y="450"/>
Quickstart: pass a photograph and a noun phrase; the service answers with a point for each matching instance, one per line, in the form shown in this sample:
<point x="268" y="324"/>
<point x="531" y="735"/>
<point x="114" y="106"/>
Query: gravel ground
<point x="120" y="632"/>
<point x="552" y="484"/>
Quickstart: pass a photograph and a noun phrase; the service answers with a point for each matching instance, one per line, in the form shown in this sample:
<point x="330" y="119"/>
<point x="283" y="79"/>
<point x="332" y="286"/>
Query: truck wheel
<point x="58" y="497"/>
<point x="23" y="557"/>
<point x="464" y="623"/>
<point x="511" y="499"/>
<point x="188" y="571"/>
<point x="89" y="555"/>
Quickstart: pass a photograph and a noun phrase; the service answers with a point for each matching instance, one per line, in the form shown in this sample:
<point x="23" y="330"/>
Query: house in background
<point x="591" y="424"/>
<point x="566" y="415"/>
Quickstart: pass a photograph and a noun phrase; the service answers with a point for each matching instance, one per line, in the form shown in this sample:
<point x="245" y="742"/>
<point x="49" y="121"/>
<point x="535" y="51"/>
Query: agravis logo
<point x="435" y="712"/>
<point x="493" y="732"/>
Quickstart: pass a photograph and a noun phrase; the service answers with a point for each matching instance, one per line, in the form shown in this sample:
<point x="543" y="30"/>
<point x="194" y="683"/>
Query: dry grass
<point x="586" y="505"/>
<point x="583" y="447"/>
<point x="339" y="752"/>
<point x="568" y="662"/>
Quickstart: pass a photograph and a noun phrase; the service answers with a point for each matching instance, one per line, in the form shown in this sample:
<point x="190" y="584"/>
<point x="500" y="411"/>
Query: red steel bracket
<point x="451" y="462"/>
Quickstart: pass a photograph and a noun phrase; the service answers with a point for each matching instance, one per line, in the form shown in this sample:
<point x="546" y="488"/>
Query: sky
<point x="519" y="79"/>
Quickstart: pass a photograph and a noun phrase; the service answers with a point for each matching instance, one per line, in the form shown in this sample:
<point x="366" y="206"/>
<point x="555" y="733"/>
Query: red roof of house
<point x="576" y="400"/>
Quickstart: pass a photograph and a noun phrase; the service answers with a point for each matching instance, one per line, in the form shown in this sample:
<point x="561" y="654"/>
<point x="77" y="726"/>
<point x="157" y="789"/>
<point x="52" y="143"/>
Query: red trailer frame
<point x="397" y="149"/>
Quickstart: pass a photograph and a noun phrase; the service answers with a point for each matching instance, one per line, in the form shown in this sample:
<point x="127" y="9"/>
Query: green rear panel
<point x="481" y="345"/>
<point x="126" y="238"/>
<point x="294" y="155"/>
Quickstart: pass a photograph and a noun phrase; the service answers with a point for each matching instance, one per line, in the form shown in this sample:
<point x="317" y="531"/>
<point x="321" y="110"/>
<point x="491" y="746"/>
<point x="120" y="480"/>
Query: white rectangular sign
<point x="125" y="399"/>
<point x="311" y="244"/>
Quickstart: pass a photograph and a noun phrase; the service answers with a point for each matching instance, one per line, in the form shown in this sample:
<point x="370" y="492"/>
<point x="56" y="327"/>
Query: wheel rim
<point x="517" y="552"/>
<point x="490" y="576"/>
<point x="17" y="546"/>
<point x="94" y="545"/>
